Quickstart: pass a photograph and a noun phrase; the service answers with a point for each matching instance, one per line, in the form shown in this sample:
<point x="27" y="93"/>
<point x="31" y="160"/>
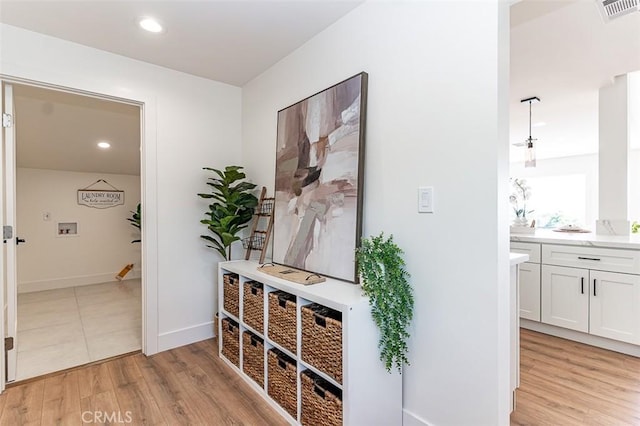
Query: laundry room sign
<point x="100" y="198"/>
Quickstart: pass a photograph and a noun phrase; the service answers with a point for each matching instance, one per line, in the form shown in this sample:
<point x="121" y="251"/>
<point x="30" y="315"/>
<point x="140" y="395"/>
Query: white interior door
<point x="9" y="253"/>
<point x="3" y="275"/>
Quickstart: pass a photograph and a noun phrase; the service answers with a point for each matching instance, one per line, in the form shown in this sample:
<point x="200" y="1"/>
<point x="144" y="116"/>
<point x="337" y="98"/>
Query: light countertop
<point x="517" y="258"/>
<point x="579" y="239"/>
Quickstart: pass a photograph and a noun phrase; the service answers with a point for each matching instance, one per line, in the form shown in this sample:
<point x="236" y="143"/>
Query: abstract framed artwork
<point x="319" y="180"/>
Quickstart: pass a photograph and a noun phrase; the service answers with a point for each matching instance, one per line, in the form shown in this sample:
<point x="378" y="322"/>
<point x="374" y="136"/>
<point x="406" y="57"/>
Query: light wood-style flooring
<point x="565" y="383"/>
<point x="184" y="386"/>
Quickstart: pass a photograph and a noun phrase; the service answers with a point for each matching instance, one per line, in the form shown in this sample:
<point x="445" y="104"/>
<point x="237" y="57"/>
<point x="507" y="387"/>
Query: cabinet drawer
<point x="532" y="249"/>
<point x="602" y="259"/>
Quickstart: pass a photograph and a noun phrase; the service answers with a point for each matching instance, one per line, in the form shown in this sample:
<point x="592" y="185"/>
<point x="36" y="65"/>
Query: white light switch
<point x="425" y="199"/>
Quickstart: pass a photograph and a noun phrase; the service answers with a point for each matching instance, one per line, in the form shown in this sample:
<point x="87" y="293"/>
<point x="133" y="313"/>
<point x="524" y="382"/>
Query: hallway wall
<point x="188" y="123"/>
<point x="437" y="115"/>
<point x="103" y="244"/>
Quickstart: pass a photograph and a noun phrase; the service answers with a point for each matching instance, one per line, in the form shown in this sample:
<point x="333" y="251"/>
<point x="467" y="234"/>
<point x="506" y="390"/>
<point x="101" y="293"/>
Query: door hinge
<point x="8" y="343"/>
<point x="7" y="120"/>
<point x="7" y="232"/>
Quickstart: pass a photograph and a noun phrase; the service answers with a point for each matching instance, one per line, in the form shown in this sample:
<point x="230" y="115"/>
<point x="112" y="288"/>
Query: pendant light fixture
<point x="530" y="149"/>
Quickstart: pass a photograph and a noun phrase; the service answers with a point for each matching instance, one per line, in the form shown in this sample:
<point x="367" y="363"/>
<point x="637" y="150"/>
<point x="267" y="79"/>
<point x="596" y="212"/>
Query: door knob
<point x="20" y="240"/>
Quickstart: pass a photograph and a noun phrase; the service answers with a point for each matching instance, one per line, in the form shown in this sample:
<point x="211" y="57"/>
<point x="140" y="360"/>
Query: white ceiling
<point x="561" y="51"/>
<point x="60" y="131"/>
<point x="228" y="41"/>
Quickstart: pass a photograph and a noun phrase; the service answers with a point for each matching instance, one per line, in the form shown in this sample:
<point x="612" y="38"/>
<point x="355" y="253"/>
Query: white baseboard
<point x="185" y="336"/>
<point x="411" y="419"/>
<point x="53" y="284"/>
<point x="587" y="339"/>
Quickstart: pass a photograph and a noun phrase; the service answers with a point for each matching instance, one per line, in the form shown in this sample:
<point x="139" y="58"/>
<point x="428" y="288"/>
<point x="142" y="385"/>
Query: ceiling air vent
<point x="611" y="9"/>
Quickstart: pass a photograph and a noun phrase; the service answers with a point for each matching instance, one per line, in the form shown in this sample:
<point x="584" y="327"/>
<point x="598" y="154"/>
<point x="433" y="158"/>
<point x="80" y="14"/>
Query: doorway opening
<point x="73" y="199"/>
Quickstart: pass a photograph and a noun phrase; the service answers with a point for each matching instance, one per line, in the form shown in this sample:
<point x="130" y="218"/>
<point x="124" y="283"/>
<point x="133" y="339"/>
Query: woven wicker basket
<point x="282" y="386"/>
<point x="321" y="401"/>
<point x="253" y="357"/>
<point x="253" y="300"/>
<point x="231" y="340"/>
<point x="232" y="294"/>
<point x="282" y="319"/>
<point x="322" y="339"/>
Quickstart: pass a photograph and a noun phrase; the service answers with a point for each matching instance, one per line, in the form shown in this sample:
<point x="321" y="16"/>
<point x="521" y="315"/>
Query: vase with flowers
<point x="521" y="193"/>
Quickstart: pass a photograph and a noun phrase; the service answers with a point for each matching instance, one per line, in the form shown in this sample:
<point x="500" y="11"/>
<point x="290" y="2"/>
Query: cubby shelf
<point x="257" y="333"/>
<point x="370" y="395"/>
<point x="233" y="317"/>
<point x="321" y="373"/>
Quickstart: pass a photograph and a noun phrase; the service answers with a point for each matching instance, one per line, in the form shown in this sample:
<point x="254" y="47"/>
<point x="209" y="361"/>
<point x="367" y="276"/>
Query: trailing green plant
<point x="635" y="227"/>
<point x="231" y="208"/>
<point x="384" y="280"/>
<point x="136" y="220"/>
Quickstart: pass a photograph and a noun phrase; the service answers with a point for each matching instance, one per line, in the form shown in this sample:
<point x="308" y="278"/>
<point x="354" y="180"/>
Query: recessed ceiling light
<point x="104" y="145"/>
<point x="150" y="24"/>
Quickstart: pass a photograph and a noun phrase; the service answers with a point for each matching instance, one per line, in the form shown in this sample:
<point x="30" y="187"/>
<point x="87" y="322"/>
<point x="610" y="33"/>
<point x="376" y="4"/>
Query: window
<point x="557" y="200"/>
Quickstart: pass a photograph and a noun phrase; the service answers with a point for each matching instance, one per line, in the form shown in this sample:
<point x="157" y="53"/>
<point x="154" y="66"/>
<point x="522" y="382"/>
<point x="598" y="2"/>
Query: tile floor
<point x="63" y="328"/>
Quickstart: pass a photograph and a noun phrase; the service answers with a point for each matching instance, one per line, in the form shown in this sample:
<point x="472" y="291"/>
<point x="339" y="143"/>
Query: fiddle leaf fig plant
<point x="384" y="280"/>
<point x="136" y="220"/>
<point x="231" y="208"/>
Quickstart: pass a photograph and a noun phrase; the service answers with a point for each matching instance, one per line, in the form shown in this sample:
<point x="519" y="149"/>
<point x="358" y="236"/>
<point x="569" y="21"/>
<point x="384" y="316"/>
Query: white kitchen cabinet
<point x="530" y="249"/>
<point x="602" y="259"/>
<point x="608" y="301"/>
<point x="615" y="306"/>
<point x="605" y="304"/>
<point x="565" y="297"/>
<point x="569" y="264"/>
<point x="529" y="280"/>
<point x="370" y="395"/>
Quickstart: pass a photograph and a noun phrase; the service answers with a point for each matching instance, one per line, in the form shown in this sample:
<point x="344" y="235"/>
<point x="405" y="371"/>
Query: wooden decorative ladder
<point x="259" y="239"/>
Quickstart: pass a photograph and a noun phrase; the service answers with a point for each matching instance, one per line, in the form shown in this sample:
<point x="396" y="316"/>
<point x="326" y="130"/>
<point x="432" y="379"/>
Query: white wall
<point x="613" y="155"/>
<point x="634" y="142"/>
<point x="634" y="186"/>
<point x="437" y="115"/>
<point x="188" y="122"/>
<point x="103" y="244"/>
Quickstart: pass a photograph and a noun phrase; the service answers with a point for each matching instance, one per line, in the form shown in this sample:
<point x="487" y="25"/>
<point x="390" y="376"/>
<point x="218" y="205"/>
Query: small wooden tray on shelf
<point x="290" y="274"/>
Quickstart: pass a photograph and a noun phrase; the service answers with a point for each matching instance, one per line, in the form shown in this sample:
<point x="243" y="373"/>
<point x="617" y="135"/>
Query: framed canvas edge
<point x="364" y="88"/>
<point x="362" y="73"/>
<point x="364" y="84"/>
